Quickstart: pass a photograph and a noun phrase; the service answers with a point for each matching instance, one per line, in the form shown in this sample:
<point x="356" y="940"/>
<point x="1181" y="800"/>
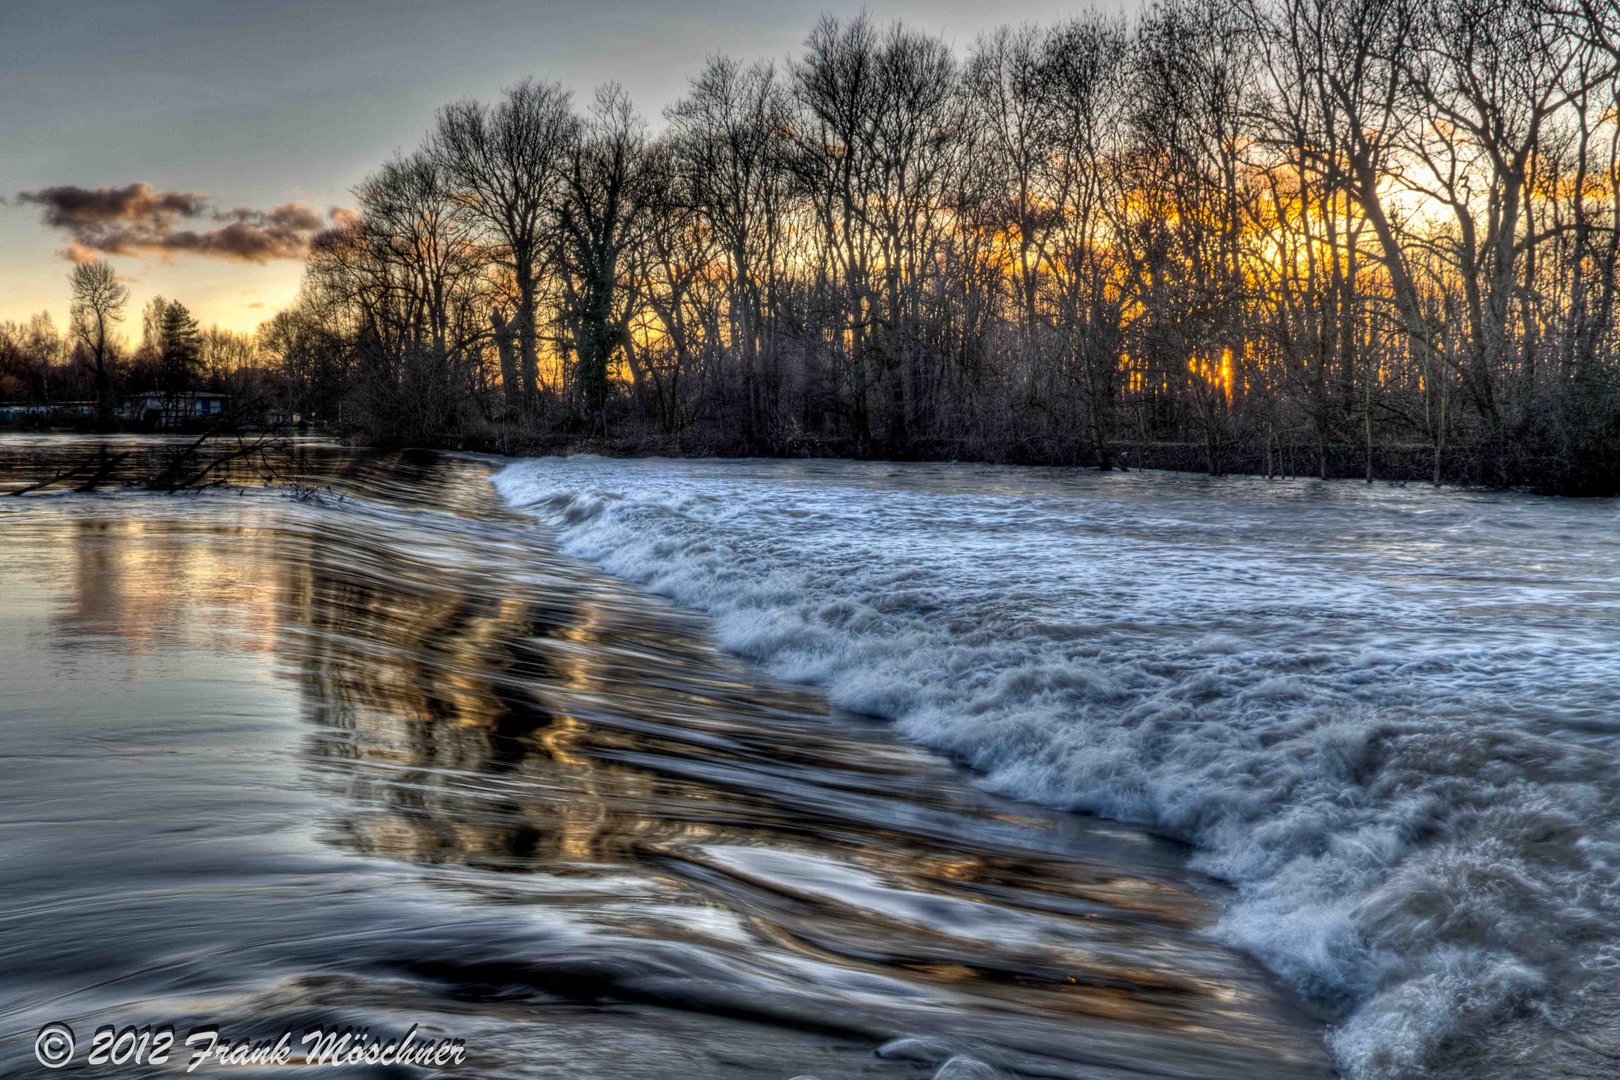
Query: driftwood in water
<point x="203" y="463"/>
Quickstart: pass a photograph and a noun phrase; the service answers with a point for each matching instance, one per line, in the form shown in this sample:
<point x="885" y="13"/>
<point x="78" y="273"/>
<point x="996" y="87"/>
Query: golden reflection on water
<point x="134" y="581"/>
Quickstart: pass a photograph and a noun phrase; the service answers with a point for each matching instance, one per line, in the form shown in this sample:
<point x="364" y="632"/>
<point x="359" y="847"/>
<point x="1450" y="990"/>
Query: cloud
<point x="134" y="220"/>
<point x="76" y="207"/>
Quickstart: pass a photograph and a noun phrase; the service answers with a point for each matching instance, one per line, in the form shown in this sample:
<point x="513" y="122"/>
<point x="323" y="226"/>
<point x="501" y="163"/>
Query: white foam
<point x="1386" y="717"/>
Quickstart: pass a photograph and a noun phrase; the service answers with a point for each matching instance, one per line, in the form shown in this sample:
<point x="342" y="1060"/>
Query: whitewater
<point x="1386" y="717"/>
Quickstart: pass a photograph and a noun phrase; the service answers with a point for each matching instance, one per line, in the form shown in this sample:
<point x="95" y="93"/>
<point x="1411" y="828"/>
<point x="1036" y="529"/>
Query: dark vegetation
<point x="1320" y="237"/>
<point x="88" y="377"/>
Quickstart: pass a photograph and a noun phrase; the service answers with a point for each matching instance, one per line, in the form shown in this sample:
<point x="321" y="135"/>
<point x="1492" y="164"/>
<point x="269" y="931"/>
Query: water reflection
<point x="551" y="811"/>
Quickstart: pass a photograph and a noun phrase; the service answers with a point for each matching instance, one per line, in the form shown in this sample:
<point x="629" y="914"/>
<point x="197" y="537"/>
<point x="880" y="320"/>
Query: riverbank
<point x="1401" y="465"/>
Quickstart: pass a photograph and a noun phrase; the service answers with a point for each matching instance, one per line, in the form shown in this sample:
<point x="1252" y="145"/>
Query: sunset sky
<point x="248" y="124"/>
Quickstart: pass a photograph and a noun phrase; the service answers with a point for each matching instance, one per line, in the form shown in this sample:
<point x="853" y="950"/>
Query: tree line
<point x="1334" y="237"/>
<point x="94" y="363"/>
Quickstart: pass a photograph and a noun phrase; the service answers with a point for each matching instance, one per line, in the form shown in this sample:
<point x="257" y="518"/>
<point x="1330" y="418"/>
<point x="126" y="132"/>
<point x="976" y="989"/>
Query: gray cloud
<point x="136" y="219"/>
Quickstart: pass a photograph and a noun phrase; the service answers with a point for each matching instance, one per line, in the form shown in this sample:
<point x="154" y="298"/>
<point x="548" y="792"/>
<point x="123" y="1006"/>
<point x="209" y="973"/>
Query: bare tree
<point x="98" y="306"/>
<point x="407" y="281"/>
<point x="726" y="140"/>
<point x="507" y="160"/>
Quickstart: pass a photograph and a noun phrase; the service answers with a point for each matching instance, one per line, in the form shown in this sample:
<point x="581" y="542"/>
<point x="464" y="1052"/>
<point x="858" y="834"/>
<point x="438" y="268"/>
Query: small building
<point x="176" y="410"/>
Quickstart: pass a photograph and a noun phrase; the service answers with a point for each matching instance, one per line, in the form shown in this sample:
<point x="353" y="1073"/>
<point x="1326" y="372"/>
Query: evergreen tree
<point x="182" y="349"/>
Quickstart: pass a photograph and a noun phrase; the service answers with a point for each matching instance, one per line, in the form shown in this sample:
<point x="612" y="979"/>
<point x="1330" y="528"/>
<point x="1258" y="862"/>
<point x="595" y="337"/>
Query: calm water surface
<point x="384" y="757"/>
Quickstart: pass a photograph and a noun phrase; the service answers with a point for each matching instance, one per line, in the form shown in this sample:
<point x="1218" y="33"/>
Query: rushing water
<point x="1388" y="718"/>
<point x="384" y="756"/>
<point x="409" y="751"/>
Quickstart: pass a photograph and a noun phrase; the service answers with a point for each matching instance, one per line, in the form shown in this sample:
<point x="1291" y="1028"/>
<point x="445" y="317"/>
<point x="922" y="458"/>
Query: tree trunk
<point x="511" y="386"/>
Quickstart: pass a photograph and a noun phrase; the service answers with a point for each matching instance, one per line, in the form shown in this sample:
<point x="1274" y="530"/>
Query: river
<point x="776" y="769"/>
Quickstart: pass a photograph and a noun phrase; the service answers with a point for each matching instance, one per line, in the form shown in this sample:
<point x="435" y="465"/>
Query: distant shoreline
<point x="1397" y="465"/>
